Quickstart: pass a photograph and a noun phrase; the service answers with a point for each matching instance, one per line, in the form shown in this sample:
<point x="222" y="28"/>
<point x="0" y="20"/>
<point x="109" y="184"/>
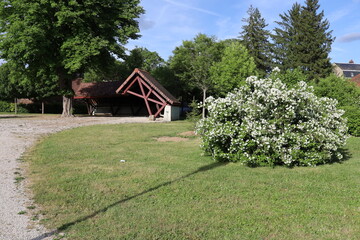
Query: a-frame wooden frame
<point x="150" y="90"/>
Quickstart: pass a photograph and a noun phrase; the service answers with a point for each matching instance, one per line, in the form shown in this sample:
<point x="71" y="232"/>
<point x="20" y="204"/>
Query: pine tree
<point x="303" y="40"/>
<point x="317" y="40"/>
<point x="286" y="39"/>
<point x="256" y="39"/>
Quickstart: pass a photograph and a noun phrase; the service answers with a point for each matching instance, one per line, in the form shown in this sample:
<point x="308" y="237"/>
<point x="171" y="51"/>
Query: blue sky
<point x="167" y="23"/>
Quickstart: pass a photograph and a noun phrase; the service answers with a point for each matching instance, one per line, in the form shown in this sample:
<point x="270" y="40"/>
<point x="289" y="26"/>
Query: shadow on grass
<point x="67" y="225"/>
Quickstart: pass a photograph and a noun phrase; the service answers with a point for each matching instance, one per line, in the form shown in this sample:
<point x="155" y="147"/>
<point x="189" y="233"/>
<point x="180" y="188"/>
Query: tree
<point x="235" y="66"/>
<point x="144" y="59"/>
<point x="303" y="40"/>
<point x="192" y="62"/>
<point x="41" y="38"/>
<point x="317" y="41"/>
<point x="286" y="39"/>
<point x="348" y="96"/>
<point x="256" y="39"/>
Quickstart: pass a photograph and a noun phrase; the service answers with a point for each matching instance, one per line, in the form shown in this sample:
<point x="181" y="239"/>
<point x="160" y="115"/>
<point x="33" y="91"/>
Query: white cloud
<point x="337" y="15"/>
<point x="351" y="37"/>
<point x="182" y="5"/>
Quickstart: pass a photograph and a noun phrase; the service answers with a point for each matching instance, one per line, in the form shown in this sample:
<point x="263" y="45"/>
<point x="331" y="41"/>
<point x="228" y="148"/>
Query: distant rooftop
<point x="349" y="70"/>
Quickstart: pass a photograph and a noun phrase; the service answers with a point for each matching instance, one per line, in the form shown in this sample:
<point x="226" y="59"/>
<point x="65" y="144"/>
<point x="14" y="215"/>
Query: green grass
<point x="170" y="191"/>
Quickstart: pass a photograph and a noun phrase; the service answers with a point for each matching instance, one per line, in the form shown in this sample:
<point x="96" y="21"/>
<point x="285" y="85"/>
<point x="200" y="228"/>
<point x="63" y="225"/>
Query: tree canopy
<point x="235" y="66"/>
<point x="256" y="39"/>
<point x="303" y="40"/>
<point x="42" y="38"/>
<point x="192" y="61"/>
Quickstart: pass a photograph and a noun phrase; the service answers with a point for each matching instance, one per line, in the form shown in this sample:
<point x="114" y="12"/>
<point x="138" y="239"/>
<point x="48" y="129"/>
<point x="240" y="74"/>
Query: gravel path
<point x="16" y="135"/>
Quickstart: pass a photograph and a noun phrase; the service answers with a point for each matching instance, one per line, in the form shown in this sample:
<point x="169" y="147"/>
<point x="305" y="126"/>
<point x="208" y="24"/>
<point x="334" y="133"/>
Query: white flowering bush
<point x="266" y="123"/>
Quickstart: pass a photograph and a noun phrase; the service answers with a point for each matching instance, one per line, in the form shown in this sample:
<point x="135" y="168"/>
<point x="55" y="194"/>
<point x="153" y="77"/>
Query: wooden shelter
<point x="141" y="84"/>
<point x="139" y="94"/>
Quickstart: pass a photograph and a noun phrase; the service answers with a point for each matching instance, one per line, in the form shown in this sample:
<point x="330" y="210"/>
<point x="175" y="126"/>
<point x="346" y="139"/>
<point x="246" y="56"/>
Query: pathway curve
<point x="17" y="133"/>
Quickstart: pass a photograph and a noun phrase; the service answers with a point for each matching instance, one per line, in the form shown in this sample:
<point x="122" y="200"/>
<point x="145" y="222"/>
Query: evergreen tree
<point x="256" y="39"/>
<point x="303" y="40"/>
<point x="317" y="40"/>
<point x="286" y="39"/>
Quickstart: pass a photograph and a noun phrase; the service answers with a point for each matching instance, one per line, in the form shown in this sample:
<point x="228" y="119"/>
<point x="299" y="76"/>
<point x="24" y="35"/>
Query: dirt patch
<point x="187" y="134"/>
<point x="171" y="139"/>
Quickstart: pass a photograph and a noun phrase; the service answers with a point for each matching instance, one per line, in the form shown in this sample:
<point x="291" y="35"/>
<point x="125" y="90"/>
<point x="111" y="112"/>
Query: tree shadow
<point x="103" y="210"/>
<point x="15" y="116"/>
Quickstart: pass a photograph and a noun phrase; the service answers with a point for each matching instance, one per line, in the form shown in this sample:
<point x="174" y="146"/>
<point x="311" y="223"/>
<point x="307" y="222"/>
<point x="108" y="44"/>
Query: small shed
<point x="156" y="98"/>
<point x="139" y="94"/>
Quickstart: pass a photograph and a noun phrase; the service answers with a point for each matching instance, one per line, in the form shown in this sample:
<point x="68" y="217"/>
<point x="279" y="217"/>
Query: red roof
<point x="356" y="79"/>
<point x="95" y="90"/>
<point x="152" y="82"/>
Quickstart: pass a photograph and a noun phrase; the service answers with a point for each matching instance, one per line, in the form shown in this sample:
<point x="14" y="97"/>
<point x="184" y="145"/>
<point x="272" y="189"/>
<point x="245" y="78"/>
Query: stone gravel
<point x="17" y="134"/>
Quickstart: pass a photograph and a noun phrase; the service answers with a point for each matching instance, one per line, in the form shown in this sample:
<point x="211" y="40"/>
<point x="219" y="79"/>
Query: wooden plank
<point x="159" y="111"/>
<point x="131" y="84"/>
<point x="144" y="96"/>
<point x="154" y="92"/>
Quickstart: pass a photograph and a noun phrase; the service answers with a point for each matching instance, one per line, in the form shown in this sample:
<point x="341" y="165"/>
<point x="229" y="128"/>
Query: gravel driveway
<point x="17" y="133"/>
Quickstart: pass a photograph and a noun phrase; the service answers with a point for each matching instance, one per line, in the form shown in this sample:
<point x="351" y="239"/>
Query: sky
<point x="166" y="23"/>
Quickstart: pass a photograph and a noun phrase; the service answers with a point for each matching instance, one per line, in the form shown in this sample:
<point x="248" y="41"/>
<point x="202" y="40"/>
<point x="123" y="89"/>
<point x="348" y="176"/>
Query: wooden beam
<point x="154" y="92"/>
<point x="159" y="111"/>
<point x="144" y="96"/>
<point x="130" y="85"/>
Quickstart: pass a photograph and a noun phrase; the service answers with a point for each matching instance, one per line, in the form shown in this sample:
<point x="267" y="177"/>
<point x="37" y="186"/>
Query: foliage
<point x="166" y="77"/>
<point x="290" y="77"/>
<point x="265" y="123"/>
<point x="256" y="39"/>
<point x="42" y="39"/>
<point x="192" y="61"/>
<point x="303" y="40"/>
<point x="144" y="59"/>
<point x="231" y="71"/>
<point x="348" y="96"/>
<point x="113" y="71"/>
<point x="5" y="106"/>
<point x="10" y="107"/>
<point x="195" y="114"/>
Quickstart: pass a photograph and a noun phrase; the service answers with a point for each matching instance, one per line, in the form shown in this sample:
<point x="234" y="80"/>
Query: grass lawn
<point x="168" y="190"/>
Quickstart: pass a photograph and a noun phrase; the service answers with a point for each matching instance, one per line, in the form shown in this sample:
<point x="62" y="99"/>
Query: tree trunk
<point x="15" y="102"/>
<point x="203" y="108"/>
<point x="42" y="107"/>
<point x="67" y="107"/>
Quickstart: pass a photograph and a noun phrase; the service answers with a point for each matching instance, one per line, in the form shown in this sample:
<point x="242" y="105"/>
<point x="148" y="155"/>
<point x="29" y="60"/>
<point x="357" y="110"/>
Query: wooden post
<point x="42" y="107"/>
<point x="15" y="101"/>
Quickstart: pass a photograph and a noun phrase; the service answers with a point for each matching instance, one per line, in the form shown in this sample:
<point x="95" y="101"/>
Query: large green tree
<point x="144" y="59"/>
<point x="255" y="38"/>
<point x="192" y="61"/>
<point x="287" y="40"/>
<point x="235" y="66"/>
<point x="42" y="38"/>
<point x="303" y="40"/>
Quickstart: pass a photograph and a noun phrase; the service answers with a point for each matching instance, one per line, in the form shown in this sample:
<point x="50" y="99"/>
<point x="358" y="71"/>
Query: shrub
<point x="10" y="107"/>
<point x="195" y="114"/>
<point x="266" y="123"/>
<point x="348" y="96"/>
<point x="5" y="106"/>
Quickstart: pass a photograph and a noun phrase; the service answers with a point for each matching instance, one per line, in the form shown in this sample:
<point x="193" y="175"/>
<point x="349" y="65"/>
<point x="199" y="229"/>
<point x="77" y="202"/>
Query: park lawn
<point x="169" y="190"/>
